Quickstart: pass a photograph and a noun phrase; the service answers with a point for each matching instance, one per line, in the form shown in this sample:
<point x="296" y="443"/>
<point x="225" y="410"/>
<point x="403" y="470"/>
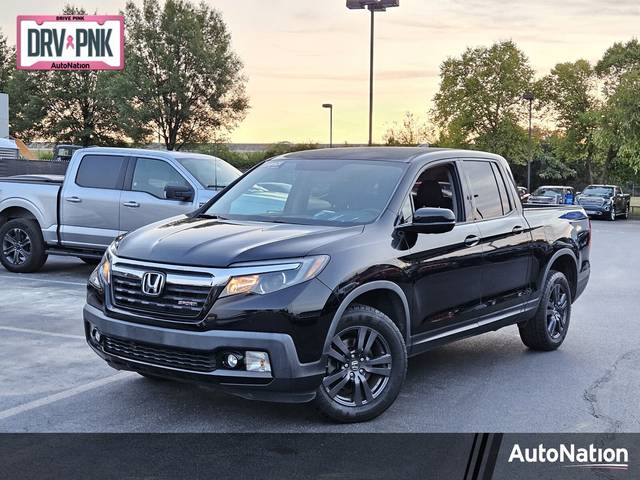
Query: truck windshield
<point x="210" y="171"/>
<point x="311" y="192"/>
<point x="604" y="192"/>
<point x="547" y="192"/>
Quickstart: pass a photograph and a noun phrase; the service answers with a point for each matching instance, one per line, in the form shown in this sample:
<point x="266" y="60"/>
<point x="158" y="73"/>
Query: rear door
<point x="89" y="204"/>
<point x="505" y="237"/>
<point x="144" y="200"/>
<point x="445" y="268"/>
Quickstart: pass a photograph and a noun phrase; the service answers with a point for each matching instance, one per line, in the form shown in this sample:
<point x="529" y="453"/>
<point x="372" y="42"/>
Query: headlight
<point x="296" y="271"/>
<point x="101" y="276"/>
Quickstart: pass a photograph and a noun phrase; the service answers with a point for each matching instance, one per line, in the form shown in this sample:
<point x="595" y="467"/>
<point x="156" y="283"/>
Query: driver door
<point x="144" y="201"/>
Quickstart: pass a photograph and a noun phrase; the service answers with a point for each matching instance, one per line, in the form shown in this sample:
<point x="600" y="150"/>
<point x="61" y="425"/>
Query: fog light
<point x="96" y="335"/>
<point x="231" y="360"/>
<point x="257" y="362"/>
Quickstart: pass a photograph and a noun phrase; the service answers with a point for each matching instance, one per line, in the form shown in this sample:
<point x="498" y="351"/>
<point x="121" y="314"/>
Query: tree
<point x="619" y="133"/>
<point x="570" y="92"/>
<point x="411" y="131"/>
<point x="7" y="58"/>
<point x="182" y="80"/>
<point x="479" y="103"/>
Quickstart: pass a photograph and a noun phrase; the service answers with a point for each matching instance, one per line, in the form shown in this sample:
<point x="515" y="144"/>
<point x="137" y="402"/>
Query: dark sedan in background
<point x="605" y="201"/>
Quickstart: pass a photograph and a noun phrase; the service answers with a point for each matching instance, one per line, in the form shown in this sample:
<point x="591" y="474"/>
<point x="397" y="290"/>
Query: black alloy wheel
<point x="557" y="307"/>
<point x="366" y="366"/>
<point x="548" y="328"/>
<point x="22" y="248"/>
<point x="16" y="247"/>
<point x="359" y="367"/>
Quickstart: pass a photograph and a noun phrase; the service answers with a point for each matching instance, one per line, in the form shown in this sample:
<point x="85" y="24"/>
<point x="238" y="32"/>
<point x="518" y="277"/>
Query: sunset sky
<point x="299" y="54"/>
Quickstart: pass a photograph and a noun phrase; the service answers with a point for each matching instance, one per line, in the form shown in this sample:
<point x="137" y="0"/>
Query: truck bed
<point x="49" y="179"/>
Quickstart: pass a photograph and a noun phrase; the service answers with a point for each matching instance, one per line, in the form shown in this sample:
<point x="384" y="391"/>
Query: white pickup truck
<point x="105" y="192"/>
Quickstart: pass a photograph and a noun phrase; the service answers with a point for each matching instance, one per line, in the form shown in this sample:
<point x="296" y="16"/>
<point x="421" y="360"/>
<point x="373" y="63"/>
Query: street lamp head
<point x="529" y="96"/>
<point x="373" y="5"/>
<point x="327" y="105"/>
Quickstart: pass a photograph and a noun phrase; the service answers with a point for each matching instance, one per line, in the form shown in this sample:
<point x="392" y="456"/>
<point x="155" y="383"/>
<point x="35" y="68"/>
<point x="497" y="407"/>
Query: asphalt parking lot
<point x="51" y="380"/>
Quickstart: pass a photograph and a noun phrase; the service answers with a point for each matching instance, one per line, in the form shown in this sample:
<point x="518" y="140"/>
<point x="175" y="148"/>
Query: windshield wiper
<point x="211" y="217"/>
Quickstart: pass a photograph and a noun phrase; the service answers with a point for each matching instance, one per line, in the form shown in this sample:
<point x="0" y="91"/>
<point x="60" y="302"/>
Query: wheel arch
<point x="10" y="210"/>
<point x="372" y="294"/>
<point x="564" y="261"/>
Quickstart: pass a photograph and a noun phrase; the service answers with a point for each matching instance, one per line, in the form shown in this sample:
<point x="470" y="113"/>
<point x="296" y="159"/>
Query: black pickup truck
<point x="320" y="291"/>
<point x="605" y="201"/>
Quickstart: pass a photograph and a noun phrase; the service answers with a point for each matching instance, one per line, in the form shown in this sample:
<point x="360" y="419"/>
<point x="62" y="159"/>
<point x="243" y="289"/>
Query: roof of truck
<point x="141" y="152"/>
<point x="397" y="154"/>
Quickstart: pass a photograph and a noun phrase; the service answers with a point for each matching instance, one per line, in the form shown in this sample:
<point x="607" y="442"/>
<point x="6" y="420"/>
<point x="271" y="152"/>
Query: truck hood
<point x="220" y="243"/>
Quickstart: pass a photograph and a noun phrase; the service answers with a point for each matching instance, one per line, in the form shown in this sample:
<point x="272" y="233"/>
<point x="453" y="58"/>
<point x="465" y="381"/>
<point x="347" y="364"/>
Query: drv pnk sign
<point x="70" y="42"/>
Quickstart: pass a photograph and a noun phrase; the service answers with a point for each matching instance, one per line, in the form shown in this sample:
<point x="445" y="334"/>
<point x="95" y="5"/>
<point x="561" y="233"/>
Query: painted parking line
<point x="42" y="332"/>
<point x="34" y="279"/>
<point x="42" y="402"/>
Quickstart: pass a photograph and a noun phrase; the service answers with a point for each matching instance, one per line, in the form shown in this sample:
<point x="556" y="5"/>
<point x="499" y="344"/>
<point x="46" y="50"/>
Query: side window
<point x="101" y="171"/>
<point x="618" y="191"/>
<point x="153" y="176"/>
<point x="502" y="188"/>
<point x="437" y="187"/>
<point x="485" y="191"/>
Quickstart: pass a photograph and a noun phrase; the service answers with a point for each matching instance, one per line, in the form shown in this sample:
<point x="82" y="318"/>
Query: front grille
<point x="177" y="300"/>
<point x="181" y="359"/>
<point x="591" y="202"/>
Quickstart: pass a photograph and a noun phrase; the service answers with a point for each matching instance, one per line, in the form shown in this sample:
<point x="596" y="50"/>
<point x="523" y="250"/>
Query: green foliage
<point x="7" y="60"/>
<point x="479" y="103"/>
<point x="569" y="91"/>
<point x="182" y="79"/>
<point x="246" y="160"/>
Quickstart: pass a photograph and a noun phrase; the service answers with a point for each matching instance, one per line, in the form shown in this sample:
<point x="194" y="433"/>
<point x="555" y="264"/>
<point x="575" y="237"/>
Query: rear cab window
<point x="101" y="171"/>
<point x="488" y="190"/>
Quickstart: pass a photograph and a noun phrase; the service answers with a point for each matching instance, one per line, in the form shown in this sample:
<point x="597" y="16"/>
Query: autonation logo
<point x="572" y="456"/>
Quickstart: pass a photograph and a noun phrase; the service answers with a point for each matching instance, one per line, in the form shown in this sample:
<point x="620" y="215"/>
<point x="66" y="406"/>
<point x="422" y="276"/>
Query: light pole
<point x="373" y="6"/>
<point x="330" y="107"/>
<point x="529" y="97"/>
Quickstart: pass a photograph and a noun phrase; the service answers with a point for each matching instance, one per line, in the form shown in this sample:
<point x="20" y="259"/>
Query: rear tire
<point x="365" y="369"/>
<point x="22" y="247"/>
<point x="548" y="328"/>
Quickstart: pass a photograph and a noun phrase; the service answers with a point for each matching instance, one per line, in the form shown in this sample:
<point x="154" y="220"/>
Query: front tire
<point x="627" y="212"/>
<point x="22" y="247"/>
<point x="366" y="367"/>
<point x="612" y="214"/>
<point x="547" y="330"/>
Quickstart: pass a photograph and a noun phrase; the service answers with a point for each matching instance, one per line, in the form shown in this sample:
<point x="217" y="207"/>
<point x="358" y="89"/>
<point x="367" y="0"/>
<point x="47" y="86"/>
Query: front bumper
<point x="596" y="211"/>
<point x="288" y="381"/>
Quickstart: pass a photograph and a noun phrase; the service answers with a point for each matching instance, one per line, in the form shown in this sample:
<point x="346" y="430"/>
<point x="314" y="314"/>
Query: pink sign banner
<point x="70" y="42"/>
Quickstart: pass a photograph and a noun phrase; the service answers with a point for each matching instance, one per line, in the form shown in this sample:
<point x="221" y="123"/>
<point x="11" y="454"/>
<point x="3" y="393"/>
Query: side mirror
<point x="180" y="193"/>
<point x="430" y="220"/>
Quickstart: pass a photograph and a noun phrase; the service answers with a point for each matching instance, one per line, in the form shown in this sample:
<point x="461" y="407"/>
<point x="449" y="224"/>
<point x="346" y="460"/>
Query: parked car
<point x="64" y="152"/>
<point x="553" y="195"/>
<point x="605" y="201"/>
<point x="105" y="192"/>
<point x="523" y="193"/>
<point x="323" y="292"/>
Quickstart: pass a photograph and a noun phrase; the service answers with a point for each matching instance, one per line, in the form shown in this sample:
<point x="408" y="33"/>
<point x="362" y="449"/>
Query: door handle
<point x="73" y="199"/>
<point x="131" y="204"/>
<point x="517" y="230"/>
<point x="472" y="241"/>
